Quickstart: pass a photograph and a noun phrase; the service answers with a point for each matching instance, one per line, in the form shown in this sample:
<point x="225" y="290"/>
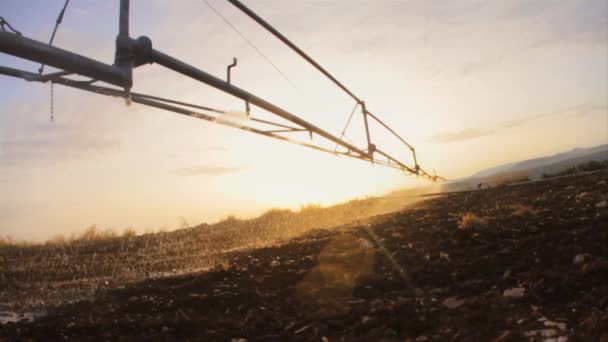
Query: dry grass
<point x="96" y="255"/>
<point x="470" y="220"/>
<point x="7" y="241"/>
<point x="129" y="232"/>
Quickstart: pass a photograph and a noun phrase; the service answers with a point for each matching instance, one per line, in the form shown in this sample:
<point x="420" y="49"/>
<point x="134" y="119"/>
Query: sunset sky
<point x="471" y="84"/>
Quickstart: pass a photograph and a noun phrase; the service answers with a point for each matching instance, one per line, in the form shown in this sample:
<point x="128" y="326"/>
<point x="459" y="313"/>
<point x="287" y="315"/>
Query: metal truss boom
<point x="132" y="53"/>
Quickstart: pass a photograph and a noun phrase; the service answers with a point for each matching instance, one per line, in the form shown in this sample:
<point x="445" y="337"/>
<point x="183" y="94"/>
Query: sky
<point x="471" y="84"/>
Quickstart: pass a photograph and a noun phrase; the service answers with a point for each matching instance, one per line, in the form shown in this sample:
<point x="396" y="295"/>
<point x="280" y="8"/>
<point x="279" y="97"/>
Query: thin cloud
<point x="53" y="143"/>
<point x="213" y="149"/>
<point x="465" y="134"/>
<point x="590" y="110"/>
<point x="473" y="133"/>
<point x="208" y="170"/>
<point x="81" y="12"/>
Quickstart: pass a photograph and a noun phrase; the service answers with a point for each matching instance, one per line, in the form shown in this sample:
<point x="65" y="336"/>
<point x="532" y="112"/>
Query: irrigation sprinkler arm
<point x="131" y="53"/>
<point x="165" y="104"/>
<point x="199" y="75"/>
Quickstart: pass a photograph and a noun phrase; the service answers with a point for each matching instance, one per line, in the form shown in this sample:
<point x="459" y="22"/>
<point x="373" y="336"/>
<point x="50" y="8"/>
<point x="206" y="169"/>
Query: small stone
<point x="365" y="319"/>
<point x="595" y="266"/>
<point x="436" y="290"/>
<point x="389" y="332"/>
<point x="505" y="336"/>
<point x="164" y="330"/>
<point x="590" y="323"/>
<point x="583" y="195"/>
<point x="365" y="244"/>
<point x="601" y="205"/>
<point x="548" y="332"/>
<point x="376" y="304"/>
<point x="302" y="329"/>
<point x="601" y="183"/>
<point x="507" y="274"/>
<point x="516" y="292"/>
<point x="560" y="325"/>
<point x="531" y="333"/>
<point x="579" y="259"/>
<point x="238" y="340"/>
<point x="453" y="303"/>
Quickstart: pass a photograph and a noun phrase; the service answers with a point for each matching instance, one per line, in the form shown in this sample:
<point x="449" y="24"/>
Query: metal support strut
<point x="229" y="68"/>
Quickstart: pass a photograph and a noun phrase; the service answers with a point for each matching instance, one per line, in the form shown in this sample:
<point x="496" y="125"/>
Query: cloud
<point x="81" y="12"/>
<point x="208" y="170"/>
<point x="459" y="39"/>
<point x="590" y="109"/>
<point x="465" y="134"/>
<point x="53" y="142"/>
<point x="473" y="133"/>
<point x="28" y="138"/>
<point x="213" y="149"/>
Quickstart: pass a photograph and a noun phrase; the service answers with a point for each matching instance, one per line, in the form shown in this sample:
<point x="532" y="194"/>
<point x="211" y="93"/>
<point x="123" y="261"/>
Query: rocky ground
<point x="521" y="262"/>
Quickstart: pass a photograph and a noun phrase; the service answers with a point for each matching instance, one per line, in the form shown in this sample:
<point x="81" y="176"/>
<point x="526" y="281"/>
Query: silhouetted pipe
<point x="40" y="52"/>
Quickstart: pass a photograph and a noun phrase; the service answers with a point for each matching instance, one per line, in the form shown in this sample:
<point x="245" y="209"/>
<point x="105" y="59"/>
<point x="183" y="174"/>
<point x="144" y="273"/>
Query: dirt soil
<point x="521" y="262"/>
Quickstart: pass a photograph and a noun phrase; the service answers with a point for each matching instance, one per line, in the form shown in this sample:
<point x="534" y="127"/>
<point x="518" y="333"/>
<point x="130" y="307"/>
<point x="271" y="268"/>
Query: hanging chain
<point x="52" y="102"/>
<point x="41" y="69"/>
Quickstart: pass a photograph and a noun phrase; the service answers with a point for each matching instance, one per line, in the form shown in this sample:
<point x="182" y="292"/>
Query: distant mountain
<point x="577" y="155"/>
<point x="559" y="166"/>
<point x="495" y="169"/>
<point x="519" y="171"/>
